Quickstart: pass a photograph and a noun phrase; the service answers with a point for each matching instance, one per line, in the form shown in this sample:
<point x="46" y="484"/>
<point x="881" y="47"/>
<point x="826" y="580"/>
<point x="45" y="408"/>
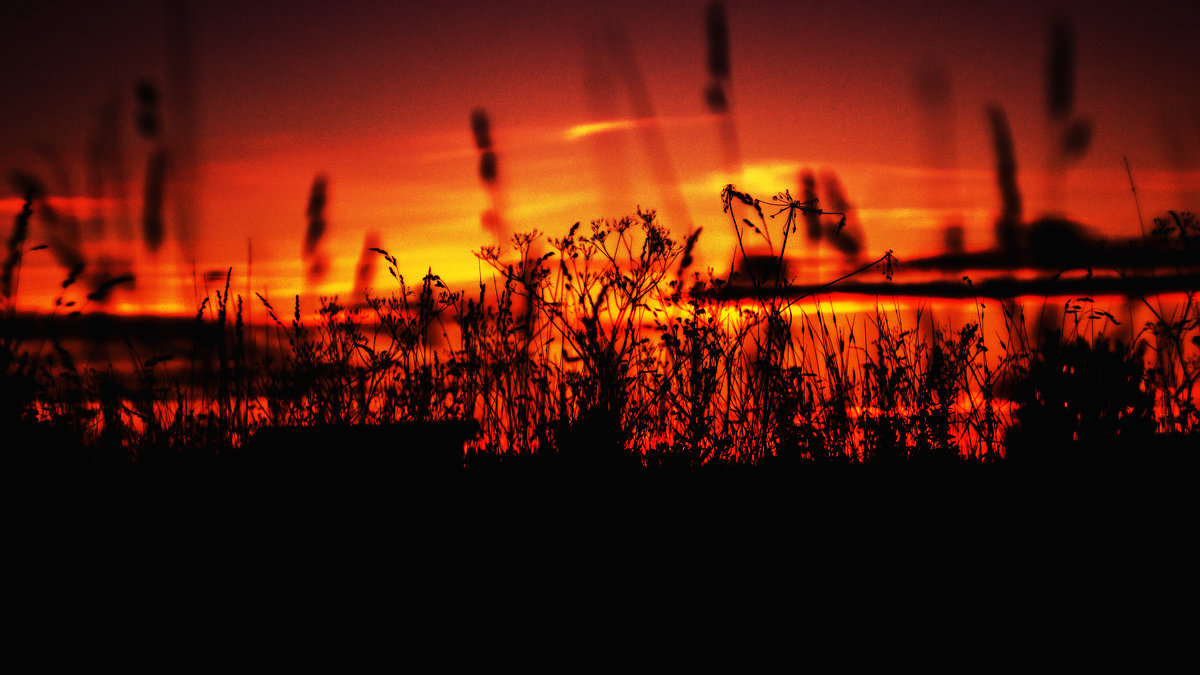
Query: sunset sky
<point x="377" y="97"/>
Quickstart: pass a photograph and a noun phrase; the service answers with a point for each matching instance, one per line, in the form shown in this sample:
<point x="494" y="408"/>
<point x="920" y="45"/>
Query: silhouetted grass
<point x="266" y="484"/>
<point x="610" y="351"/>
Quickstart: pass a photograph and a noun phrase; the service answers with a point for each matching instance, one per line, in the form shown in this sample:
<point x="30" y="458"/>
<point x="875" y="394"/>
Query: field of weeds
<point x="606" y="347"/>
<point x="381" y="472"/>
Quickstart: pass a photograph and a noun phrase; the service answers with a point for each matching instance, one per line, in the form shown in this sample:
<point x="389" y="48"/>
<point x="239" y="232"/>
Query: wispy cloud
<point x="579" y="131"/>
<point x="582" y="130"/>
<point x="459" y="147"/>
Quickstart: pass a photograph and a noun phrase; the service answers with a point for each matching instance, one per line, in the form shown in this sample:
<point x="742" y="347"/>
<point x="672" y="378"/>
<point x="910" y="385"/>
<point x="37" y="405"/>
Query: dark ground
<point x="517" y="563"/>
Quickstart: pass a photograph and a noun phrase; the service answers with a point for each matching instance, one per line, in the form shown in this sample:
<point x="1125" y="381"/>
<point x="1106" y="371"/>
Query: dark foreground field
<point x="524" y="563"/>
<point x="643" y="476"/>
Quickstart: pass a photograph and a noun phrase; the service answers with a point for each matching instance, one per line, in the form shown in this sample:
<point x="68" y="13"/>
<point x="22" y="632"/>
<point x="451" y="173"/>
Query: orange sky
<point x="377" y="97"/>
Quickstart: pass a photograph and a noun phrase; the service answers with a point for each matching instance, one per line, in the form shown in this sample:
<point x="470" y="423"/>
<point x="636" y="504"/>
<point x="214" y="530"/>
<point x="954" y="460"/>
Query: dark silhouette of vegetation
<point x="354" y="450"/>
<point x="717" y="91"/>
<point x="316" y="262"/>
<point x="149" y="124"/>
<point x="1081" y="401"/>
<point x="1075" y="134"/>
<point x="607" y="351"/>
<point x="1008" y="227"/>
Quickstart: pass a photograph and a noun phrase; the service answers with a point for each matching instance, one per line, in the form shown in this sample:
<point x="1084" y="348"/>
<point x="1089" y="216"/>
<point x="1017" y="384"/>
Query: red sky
<point x="377" y="96"/>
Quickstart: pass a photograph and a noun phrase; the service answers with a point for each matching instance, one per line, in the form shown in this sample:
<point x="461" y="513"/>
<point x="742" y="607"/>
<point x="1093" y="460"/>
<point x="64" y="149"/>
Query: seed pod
<point x="149" y="124"/>
<point x="316" y="215"/>
<point x="481" y="129"/>
<point x="718" y="41"/>
<point x="1060" y="70"/>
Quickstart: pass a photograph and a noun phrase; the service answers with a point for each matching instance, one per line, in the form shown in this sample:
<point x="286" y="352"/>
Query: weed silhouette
<point x="607" y="352"/>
